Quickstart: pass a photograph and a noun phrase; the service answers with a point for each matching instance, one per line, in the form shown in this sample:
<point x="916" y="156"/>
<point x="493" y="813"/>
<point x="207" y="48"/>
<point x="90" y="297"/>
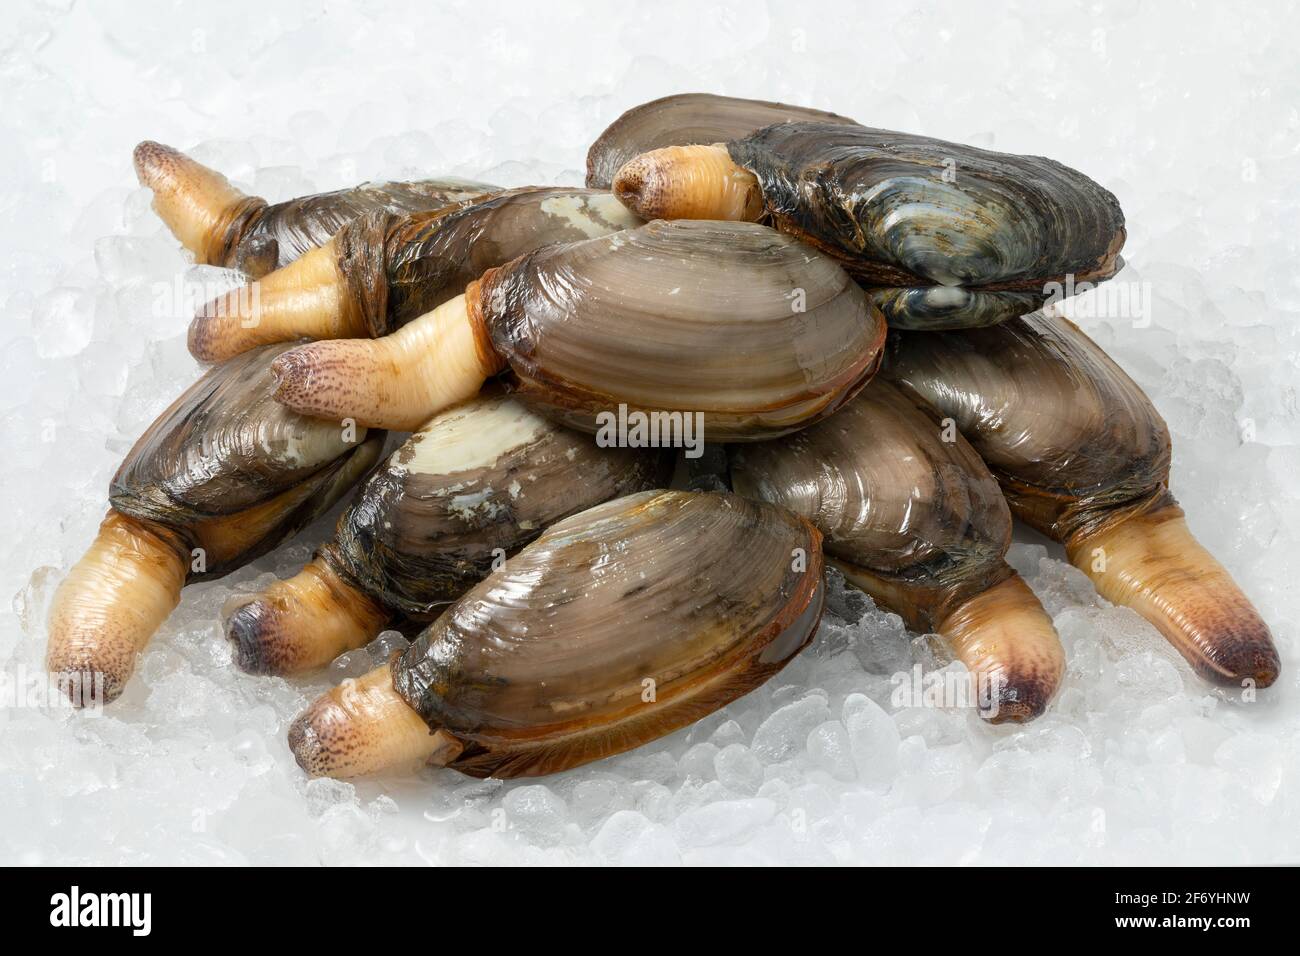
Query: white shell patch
<point x="593" y="216"/>
<point x="470" y="436"/>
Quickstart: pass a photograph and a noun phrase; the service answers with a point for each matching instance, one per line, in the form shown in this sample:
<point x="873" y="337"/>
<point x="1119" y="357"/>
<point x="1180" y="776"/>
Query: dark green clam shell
<point x="910" y="215"/>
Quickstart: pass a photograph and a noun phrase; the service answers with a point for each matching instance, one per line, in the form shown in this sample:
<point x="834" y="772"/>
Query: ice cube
<point x="628" y="838"/>
<point x="873" y="741"/>
<point x="738" y="769"/>
<point x="830" y="749"/>
<point x="63" y="322"/>
<point x="726" y="821"/>
<point x="785" y="733"/>
<point x="536" y="814"/>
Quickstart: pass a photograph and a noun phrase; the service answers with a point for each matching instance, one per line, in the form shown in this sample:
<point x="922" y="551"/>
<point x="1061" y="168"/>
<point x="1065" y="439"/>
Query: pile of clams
<point x="849" y="313"/>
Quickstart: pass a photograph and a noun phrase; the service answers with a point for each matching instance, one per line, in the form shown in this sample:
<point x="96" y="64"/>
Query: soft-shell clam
<point x="223" y="227"/>
<point x="942" y="235"/>
<point x="477" y="483"/>
<point x="221" y="477"/>
<point x="618" y="625"/>
<point x="687" y="119"/>
<point x="917" y="522"/>
<point x="744" y="325"/>
<point x="1083" y="456"/>
<point x="384" y="269"/>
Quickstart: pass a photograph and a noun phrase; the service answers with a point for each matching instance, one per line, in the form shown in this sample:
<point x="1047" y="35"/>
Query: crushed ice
<point x="1137" y="760"/>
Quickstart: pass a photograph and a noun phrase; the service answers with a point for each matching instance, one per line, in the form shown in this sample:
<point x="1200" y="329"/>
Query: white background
<point x="1188" y="112"/>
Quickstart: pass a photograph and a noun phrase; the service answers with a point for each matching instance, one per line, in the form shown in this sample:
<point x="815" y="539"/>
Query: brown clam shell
<point x="893" y="499"/>
<point x="398" y="267"/>
<point x="1083" y="456"/>
<point x="752" y="329"/>
<point x="229" y="469"/>
<point x="1074" y="441"/>
<point x="687" y="119"/>
<point x="478" y="482"/>
<point x="264" y="237"/>
<point x="616" y="626"/>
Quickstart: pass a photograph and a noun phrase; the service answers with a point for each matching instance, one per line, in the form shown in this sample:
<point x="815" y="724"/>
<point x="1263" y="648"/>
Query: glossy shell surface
<point x="400" y="266"/>
<point x="892" y="498"/>
<point x="228" y="465"/>
<point x="747" y="326"/>
<point x="477" y="483"/>
<point x="943" y="235"/>
<point x="1068" y="433"/>
<point x="617" y="626"/>
<point x="272" y="236"/>
<point x="688" y="119"/>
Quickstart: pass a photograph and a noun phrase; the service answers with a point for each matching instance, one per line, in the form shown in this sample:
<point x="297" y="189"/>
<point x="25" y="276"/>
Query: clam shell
<point x="226" y="449"/>
<point x="891" y="497"/>
<point x="747" y="326"/>
<point x="277" y="234"/>
<point x="945" y="307"/>
<point x="1065" y="429"/>
<point x="478" y="482"/>
<point x="403" y="266"/>
<point x="905" y="212"/>
<point x="687" y="119"/>
<point x="617" y="626"/>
